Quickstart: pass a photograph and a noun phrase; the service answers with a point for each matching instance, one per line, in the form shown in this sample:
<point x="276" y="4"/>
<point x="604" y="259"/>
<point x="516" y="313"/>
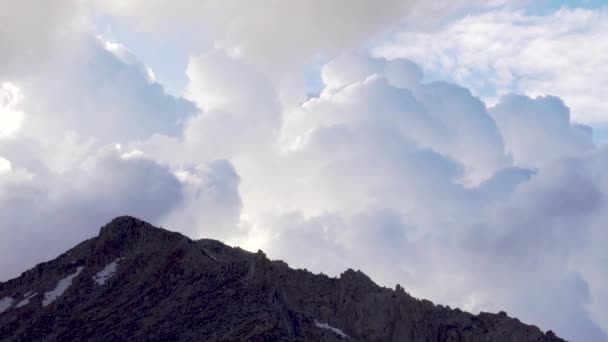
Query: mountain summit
<point x="138" y="282"/>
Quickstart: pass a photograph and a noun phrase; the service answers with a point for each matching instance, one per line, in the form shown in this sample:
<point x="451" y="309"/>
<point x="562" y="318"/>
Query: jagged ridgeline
<point x="140" y="283"/>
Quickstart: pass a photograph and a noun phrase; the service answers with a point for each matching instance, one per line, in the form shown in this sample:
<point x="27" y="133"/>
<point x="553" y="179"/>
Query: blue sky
<point x="167" y="56"/>
<point x="545" y="6"/>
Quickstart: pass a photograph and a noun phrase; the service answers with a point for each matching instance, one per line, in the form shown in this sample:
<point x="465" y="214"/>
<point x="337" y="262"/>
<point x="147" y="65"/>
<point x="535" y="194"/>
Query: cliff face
<point x="138" y="282"/>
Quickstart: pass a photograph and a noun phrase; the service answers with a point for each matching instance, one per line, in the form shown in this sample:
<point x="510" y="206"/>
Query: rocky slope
<point x="138" y="282"/>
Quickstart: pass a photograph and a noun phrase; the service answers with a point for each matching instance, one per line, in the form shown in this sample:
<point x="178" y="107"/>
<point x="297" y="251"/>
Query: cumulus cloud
<point x="60" y="180"/>
<point x="99" y="95"/>
<point x="45" y="215"/>
<point x="417" y="183"/>
<point x="98" y="89"/>
<point x="31" y="29"/>
<point x="532" y="245"/>
<point x="539" y="131"/>
<point x="212" y="203"/>
<point x="10" y="115"/>
<point x="506" y="51"/>
<point x="458" y="126"/>
<point x="277" y="34"/>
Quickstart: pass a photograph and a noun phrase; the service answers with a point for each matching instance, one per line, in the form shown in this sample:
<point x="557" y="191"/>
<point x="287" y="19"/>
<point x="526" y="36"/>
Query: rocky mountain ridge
<point x="138" y="282"/>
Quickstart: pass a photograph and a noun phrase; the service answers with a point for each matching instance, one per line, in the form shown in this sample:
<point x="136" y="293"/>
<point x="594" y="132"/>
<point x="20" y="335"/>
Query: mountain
<point x="140" y="283"/>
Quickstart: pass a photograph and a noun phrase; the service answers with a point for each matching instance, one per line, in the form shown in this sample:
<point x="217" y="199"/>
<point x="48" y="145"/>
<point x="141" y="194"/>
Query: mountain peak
<point x="124" y="225"/>
<point x="148" y="283"/>
<point x="127" y="232"/>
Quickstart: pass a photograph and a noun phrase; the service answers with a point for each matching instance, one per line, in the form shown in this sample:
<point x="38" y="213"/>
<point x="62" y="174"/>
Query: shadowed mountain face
<point x="138" y="282"/>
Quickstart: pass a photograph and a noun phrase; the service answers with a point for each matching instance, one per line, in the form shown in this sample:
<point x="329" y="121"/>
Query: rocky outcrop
<point x="162" y="286"/>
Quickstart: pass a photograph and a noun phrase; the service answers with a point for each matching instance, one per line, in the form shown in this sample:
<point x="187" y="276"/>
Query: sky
<point x="457" y="150"/>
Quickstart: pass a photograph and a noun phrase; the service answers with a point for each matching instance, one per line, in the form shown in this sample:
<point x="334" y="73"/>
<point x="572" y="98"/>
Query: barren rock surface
<point x="167" y="287"/>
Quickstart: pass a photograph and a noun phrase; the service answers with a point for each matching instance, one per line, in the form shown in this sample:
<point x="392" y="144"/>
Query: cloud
<point x="331" y="243"/>
<point x="538" y="131"/>
<point x="11" y="117"/>
<point x="415" y="182"/>
<point x="45" y="215"/>
<point x="505" y="51"/>
<point x="219" y="81"/>
<point x="63" y="175"/>
<point x="31" y="29"/>
<point x="531" y="246"/>
<point x="277" y="34"/>
<point x="98" y="96"/>
<point x="5" y="165"/>
<point x="212" y="203"/>
<point x="458" y="126"/>
<point x="100" y="88"/>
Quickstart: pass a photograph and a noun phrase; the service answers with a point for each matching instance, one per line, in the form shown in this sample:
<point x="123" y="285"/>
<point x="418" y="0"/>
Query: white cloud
<point x="497" y="52"/>
<point x="93" y="89"/>
<point x="127" y="57"/>
<point x="5" y="165"/>
<point x="538" y="131"/>
<point x="61" y="180"/>
<point x="377" y="162"/>
<point x="531" y="247"/>
<point x="98" y="96"/>
<point x="30" y="29"/>
<point x="10" y="115"/>
<point x="49" y="214"/>
<point x="222" y="82"/>
<point x="212" y="204"/>
<point x="458" y="126"/>
<point x="276" y="34"/>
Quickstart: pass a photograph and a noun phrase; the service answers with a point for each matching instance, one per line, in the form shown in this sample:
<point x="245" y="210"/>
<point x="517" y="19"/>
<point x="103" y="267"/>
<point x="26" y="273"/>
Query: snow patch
<point x="105" y="274"/>
<point x="209" y="254"/>
<point x="5" y="303"/>
<point x="329" y="327"/>
<point x="63" y="285"/>
<point x="26" y="299"/>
